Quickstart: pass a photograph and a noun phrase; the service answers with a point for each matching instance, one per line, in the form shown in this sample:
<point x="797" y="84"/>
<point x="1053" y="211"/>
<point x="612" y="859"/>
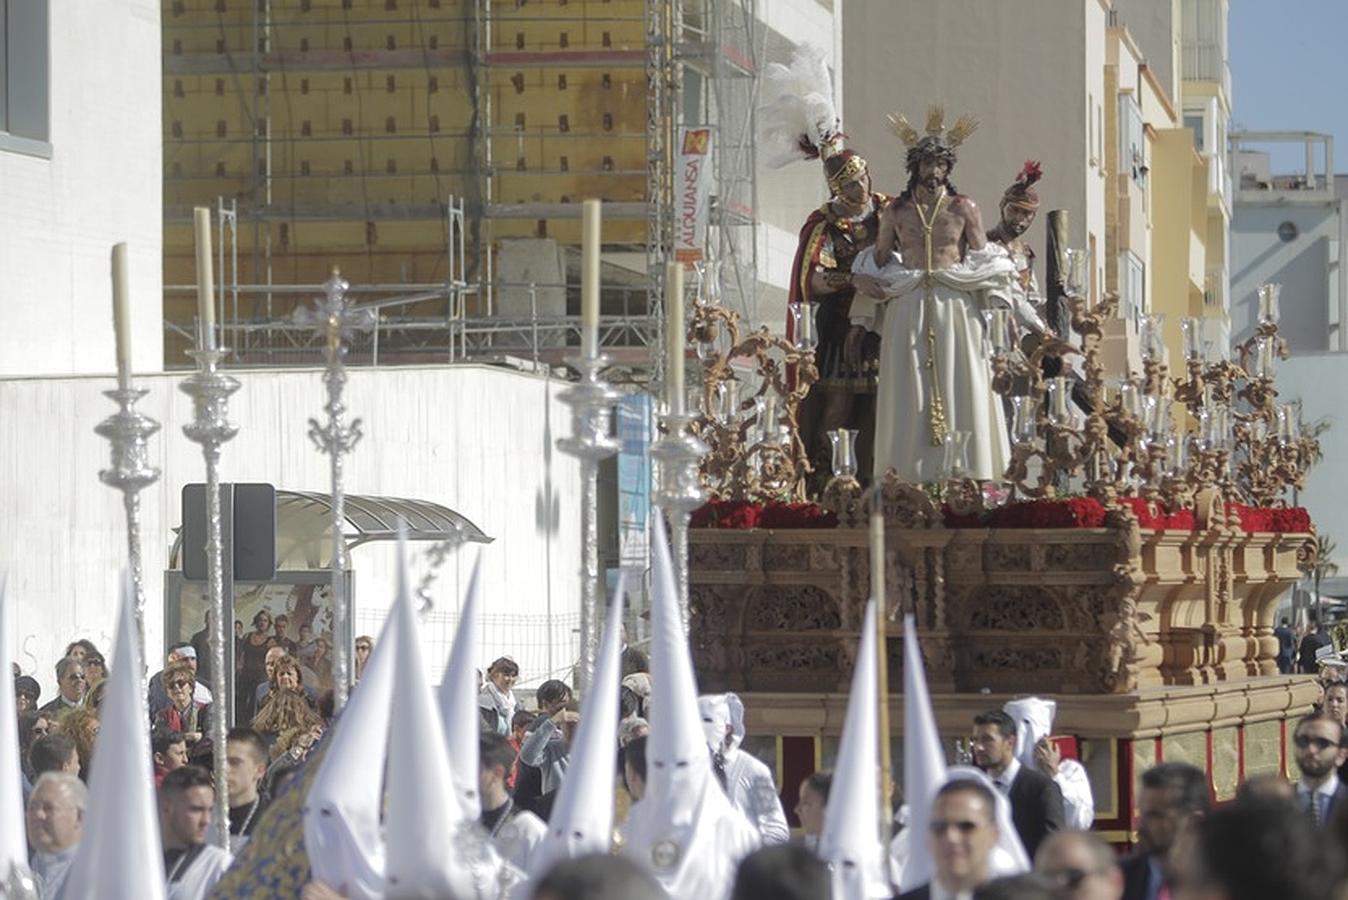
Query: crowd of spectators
<point x="1279" y="837"/>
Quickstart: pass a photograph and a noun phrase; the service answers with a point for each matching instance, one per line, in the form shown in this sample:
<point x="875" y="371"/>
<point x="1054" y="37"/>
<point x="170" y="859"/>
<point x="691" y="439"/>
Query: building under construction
<point x="437" y="151"/>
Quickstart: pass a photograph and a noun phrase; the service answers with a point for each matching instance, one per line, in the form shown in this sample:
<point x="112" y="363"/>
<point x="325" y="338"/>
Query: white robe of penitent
<point x="951" y="308"/>
<point x="695" y="854"/>
<point x="753" y="792"/>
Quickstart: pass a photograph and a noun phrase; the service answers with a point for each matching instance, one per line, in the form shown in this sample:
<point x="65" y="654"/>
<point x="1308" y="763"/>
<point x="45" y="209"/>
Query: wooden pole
<point x="881" y="656"/>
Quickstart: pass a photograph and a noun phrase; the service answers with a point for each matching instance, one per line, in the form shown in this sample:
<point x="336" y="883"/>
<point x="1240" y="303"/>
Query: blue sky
<point x="1286" y="70"/>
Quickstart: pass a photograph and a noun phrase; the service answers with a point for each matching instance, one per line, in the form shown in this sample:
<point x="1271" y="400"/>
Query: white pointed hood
<point x="120" y="855"/>
<point x="13" y="847"/>
<point x="850" y="841"/>
<point x="1009" y="856"/>
<point x="719" y="712"/>
<point x="684" y="830"/>
<point x="1034" y="720"/>
<point x="582" y="818"/>
<point x="342" y="832"/>
<point x="924" y="768"/>
<point x="459" y="715"/>
<point x="432" y="847"/>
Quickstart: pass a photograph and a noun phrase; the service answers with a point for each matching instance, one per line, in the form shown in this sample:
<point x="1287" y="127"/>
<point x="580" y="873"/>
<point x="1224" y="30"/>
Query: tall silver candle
<point x="679" y="454"/>
<point x="210" y="390"/>
<point x="591" y="402"/>
<point x="128" y="431"/>
<point x="334" y="318"/>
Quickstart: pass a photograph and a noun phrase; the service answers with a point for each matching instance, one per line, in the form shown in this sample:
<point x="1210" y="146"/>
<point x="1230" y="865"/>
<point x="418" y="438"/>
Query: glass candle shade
<point x="999" y="329"/>
<point x="1077" y="259"/>
<point x="1151" y="336"/>
<point x="728" y="401"/>
<point x="1177" y="454"/>
<point x="1265" y="358"/>
<point x="1059" y="393"/>
<point x="844" y="442"/>
<point x="955" y="462"/>
<point x="1289" y="426"/>
<point x="1192" y="331"/>
<point x="1268" y="303"/>
<point x="1024" y="420"/>
<point x="802" y="323"/>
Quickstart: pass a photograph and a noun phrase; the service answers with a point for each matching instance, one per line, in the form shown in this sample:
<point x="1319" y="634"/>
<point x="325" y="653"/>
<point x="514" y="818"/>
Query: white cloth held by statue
<point x="952" y="309"/>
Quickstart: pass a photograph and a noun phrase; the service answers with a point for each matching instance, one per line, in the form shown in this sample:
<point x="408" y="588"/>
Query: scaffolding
<point x="324" y="134"/>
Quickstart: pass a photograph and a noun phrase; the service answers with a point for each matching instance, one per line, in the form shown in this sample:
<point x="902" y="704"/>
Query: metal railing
<point x="445" y="330"/>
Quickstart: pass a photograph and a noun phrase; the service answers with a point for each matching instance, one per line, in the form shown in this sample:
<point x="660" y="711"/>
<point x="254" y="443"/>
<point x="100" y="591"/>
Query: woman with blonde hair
<point x="81" y="726"/>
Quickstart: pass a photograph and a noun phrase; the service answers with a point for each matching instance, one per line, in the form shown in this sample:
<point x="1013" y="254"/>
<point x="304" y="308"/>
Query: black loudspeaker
<point x="248" y="515"/>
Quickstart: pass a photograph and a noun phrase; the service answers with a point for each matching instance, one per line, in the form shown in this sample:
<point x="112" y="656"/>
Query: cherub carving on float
<point x="800" y="121"/>
<point x="939" y="275"/>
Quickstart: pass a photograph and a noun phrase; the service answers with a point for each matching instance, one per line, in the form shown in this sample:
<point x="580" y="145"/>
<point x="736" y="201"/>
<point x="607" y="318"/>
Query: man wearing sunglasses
<point x="1319" y="753"/>
<point x="962" y="835"/>
<point x="72" y="685"/>
<point x="1082" y="866"/>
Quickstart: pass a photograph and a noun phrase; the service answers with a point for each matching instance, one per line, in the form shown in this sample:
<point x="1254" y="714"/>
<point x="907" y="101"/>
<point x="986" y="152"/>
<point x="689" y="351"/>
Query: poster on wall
<point x="692" y="194"/>
<point x="293" y="612"/>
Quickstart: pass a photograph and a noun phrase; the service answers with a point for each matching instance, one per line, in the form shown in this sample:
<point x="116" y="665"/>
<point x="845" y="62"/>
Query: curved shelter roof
<point x="304" y="526"/>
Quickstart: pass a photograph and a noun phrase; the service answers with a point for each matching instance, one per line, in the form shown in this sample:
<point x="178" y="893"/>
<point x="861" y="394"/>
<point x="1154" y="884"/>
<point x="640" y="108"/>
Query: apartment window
<point x="1090" y="127"/>
<point x="1194" y="122"/>
<point x="24" y="77"/>
<point x="1132" y="145"/>
<point x="1132" y="287"/>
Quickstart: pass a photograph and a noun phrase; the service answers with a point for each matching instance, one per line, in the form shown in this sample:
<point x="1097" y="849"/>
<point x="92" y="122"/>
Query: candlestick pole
<point x="128" y="431"/>
<point x="210" y="390"/>
<point x="335" y="319"/>
<point x="591" y="402"/>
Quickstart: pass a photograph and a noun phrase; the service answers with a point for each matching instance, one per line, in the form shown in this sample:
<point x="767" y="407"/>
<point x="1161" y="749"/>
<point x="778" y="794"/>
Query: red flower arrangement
<point x="1290" y="520"/>
<point x="1149" y="516"/>
<point x="1075" y="512"/>
<point x="796" y="515"/>
<point x="726" y="514"/>
<point x="742" y="514"/>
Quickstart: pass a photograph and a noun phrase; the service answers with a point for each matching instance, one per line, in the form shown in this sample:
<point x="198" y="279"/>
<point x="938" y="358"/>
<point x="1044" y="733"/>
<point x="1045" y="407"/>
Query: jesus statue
<point x="939" y="276"/>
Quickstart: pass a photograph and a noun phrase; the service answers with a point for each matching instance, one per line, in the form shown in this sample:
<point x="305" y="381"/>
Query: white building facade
<point x="80" y="171"/>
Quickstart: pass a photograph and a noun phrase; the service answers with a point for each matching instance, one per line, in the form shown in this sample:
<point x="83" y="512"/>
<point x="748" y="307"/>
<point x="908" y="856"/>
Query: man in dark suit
<point x="1173" y="795"/>
<point x="1287" y="646"/>
<point x="1319" y="753"/>
<point x="1036" y="800"/>
<point x="1316" y="637"/>
<point x="962" y="835"/>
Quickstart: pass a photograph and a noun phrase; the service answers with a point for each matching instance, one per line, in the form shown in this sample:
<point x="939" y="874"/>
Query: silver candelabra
<point x="128" y="431"/>
<point x="679" y="454"/>
<point x="591" y="402"/>
<point x="210" y="390"/>
<point x="335" y="319"/>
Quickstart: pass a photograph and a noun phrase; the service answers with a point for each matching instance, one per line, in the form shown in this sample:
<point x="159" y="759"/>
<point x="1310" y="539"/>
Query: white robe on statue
<point x="954" y="311"/>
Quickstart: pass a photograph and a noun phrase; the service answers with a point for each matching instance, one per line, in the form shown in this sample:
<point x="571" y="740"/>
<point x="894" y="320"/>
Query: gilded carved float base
<point x="1063" y="610"/>
<point x="1157" y="645"/>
